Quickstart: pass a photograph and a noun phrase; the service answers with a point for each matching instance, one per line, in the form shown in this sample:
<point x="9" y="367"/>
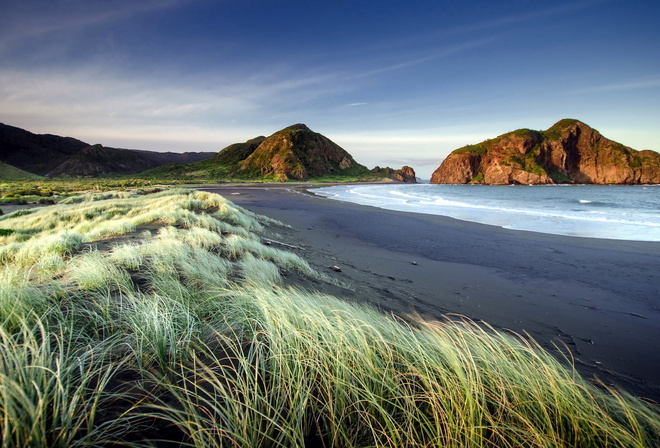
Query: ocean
<point x="592" y="211"/>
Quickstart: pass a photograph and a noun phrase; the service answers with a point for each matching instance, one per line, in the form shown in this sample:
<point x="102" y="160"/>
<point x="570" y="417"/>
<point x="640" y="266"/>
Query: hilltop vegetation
<point x="152" y="318"/>
<point x="221" y="166"/>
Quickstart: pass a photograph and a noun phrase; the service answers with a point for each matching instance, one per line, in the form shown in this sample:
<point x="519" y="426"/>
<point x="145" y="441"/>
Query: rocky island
<point x="569" y="152"/>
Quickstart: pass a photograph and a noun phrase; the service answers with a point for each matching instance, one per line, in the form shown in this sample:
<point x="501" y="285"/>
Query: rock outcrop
<point x="568" y="152"/>
<point x="406" y="174"/>
<point x="297" y="153"/>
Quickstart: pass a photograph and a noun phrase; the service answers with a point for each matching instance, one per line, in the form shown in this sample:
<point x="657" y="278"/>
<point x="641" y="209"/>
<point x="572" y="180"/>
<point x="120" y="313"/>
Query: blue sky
<point x="392" y="82"/>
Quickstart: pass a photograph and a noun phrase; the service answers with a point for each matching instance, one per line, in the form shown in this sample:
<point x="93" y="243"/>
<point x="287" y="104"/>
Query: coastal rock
<point x="568" y="152"/>
<point x="406" y="174"/>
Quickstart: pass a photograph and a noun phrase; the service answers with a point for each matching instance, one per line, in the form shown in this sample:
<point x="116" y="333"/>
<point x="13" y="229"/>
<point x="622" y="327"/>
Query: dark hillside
<point x="53" y="155"/>
<point x="35" y="153"/>
<point x="97" y="161"/>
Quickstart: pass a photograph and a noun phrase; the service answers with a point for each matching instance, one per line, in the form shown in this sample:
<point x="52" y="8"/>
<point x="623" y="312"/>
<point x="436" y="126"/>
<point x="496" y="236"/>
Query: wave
<point x="617" y="214"/>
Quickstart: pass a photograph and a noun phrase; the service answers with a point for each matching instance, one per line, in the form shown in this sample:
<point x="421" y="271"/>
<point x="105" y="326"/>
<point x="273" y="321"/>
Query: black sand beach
<point x="599" y="298"/>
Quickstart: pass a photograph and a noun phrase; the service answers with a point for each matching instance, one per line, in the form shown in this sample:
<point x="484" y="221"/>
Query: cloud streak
<point x="88" y="97"/>
<point x="66" y="17"/>
<point x="445" y="52"/>
<point x="92" y="99"/>
<point x="635" y="84"/>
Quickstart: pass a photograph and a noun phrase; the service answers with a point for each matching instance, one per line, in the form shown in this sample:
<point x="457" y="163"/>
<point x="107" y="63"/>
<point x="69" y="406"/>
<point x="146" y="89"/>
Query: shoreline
<point x="595" y="297"/>
<point x="572" y="215"/>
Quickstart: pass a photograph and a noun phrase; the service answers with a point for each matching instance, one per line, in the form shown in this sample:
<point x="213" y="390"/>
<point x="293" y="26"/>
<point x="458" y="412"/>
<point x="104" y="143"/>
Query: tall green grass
<point x="53" y="389"/>
<point x="318" y="368"/>
<point x="140" y="320"/>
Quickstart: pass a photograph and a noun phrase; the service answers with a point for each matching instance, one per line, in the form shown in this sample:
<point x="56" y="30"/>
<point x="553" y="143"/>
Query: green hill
<point x="220" y="166"/>
<point x="298" y="153"/>
<point x="8" y="172"/>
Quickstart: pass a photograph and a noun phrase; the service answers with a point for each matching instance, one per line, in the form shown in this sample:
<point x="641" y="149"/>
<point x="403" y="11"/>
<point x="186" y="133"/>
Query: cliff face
<point x="568" y="152"/>
<point x="405" y="174"/>
<point x="297" y="153"/>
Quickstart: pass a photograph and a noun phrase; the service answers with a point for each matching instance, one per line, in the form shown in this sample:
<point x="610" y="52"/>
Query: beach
<point x="593" y="300"/>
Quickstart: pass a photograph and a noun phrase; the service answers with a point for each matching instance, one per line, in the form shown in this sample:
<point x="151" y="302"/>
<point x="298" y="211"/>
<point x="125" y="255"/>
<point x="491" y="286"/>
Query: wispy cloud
<point x="96" y="103"/>
<point x="89" y="93"/>
<point x="633" y="84"/>
<point x="447" y="50"/>
<point x="530" y="15"/>
<point x="436" y="54"/>
<point x="21" y="22"/>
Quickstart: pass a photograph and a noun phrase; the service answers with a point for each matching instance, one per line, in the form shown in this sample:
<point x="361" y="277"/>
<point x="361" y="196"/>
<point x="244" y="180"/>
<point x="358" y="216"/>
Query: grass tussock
<point x="188" y="336"/>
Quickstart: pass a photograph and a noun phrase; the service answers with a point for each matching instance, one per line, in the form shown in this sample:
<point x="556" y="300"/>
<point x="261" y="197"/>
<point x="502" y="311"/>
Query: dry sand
<point x="598" y="298"/>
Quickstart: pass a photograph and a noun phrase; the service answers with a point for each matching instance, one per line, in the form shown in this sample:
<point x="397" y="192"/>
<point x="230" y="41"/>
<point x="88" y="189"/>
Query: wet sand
<point x="600" y="299"/>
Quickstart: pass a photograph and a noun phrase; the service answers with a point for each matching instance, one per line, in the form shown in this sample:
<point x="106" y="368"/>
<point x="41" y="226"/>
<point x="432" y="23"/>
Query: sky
<point x="394" y="83"/>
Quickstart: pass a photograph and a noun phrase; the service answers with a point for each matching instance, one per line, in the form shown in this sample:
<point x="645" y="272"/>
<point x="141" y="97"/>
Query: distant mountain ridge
<point x="568" y="152"/>
<point x="99" y="161"/>
<point x="35" y="153"/>
<point x="55" y="156"/>
<point x="295" y="153"/>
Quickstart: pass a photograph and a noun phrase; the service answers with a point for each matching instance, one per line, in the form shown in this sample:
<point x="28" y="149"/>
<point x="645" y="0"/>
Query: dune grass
<point x="143" y="320"/>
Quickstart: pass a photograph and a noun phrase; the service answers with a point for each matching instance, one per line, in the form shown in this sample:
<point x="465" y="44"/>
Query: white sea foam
<point x="615" y="212"/>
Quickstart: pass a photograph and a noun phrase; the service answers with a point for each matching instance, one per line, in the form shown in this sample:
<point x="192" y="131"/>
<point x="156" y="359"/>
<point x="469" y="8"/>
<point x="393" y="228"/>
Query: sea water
<point x="595" y="211"/>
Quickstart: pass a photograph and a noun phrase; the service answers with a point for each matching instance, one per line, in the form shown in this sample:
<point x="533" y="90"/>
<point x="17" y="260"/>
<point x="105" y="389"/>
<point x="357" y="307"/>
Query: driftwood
<point x="268" y="242"/>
